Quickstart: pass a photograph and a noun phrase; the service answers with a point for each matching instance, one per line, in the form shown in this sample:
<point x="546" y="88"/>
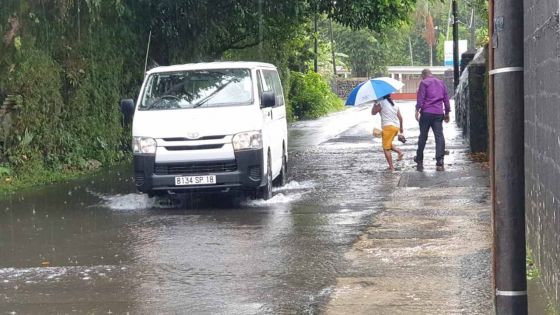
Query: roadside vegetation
<point x="65" y="64"/>
<point x="310" y="96"/>
<point x="534" y="275"/>
<point x="533" y="272"/>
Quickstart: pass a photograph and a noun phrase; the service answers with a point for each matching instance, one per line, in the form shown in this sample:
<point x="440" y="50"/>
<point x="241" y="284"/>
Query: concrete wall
<point x="542" y="138"/>
<point x="471" y="106"/>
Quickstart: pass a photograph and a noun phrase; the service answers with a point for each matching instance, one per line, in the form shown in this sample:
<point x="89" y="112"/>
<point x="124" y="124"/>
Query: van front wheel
<point x="283" y="176"/>
<point x="266" y="191"/>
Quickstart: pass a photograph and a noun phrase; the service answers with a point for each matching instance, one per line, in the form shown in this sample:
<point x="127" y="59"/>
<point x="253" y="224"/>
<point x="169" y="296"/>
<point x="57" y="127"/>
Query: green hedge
<point x="311" y="96"/>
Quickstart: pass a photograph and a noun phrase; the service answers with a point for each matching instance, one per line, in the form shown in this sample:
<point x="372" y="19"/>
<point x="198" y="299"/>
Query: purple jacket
<point x="431" y="96"/>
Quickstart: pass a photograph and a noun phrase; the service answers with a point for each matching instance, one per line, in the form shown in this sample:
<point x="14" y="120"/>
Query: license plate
<point x="195" y="180"/>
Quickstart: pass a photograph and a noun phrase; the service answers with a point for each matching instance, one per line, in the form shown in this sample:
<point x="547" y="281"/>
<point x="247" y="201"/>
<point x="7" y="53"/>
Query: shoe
<point x="419" y="165"/>
<point x="439" y="166"/>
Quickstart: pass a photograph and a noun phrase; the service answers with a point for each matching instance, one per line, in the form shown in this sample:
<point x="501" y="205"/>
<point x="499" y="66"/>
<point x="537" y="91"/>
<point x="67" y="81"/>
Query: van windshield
<point x="197" y="88"/>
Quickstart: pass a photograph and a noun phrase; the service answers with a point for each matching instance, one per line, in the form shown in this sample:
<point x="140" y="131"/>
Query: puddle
<point x="315" y="301"/>
<point x="288" y="193"/>
<point x="293" y="185"/>
<point x="278" y="198"/>
<point x="128" y="202"/>
<point x="348" y="217"/>
<point x="135" y="201"/>
<point x="47" y="274"/>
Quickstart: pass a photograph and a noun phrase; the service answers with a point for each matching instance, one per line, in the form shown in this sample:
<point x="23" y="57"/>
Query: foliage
<point x="37" y="80"/>
<point x="311" y="96"/>
<point x="533" y="271"/>
<point x="5" y="170"/>
<point x="408" y="44"/>
<point x="68" y="89"/>
<point x="365" y="52"/>
<point x="203" y="30"/>
<point x="375" y="15"/>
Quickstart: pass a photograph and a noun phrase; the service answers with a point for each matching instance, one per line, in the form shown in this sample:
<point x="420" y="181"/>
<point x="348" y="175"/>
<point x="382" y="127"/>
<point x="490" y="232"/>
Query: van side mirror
<point x="127" y="109"/>
<point x="268" y="99"/>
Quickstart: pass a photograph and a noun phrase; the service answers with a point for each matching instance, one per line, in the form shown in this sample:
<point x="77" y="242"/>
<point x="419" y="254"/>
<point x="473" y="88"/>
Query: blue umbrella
<point x="372" y="90"/>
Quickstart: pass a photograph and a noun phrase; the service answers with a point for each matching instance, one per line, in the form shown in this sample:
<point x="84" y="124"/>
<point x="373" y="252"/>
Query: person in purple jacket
<point x="432" y="108"/>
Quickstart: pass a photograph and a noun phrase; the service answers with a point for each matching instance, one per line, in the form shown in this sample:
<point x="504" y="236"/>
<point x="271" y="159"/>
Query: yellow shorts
<point x="389" y="133"/>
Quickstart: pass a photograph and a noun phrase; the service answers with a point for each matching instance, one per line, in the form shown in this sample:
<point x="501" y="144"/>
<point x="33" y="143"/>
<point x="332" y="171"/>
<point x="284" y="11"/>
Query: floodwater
<point x="95" y="246"/>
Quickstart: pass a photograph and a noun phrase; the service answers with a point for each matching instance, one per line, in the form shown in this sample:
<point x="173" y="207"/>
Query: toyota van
<point x="209" y="127"/>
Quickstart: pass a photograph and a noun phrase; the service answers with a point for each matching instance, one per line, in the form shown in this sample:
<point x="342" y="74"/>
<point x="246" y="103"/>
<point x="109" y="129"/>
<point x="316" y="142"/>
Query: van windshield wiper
<point x="207" y="98"/>
<point x="160" y="100"/>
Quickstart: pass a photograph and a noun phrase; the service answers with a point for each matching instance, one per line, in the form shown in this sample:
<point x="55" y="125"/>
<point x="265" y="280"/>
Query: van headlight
<point x="144" y="145"/>
<point x="247" y="140"/>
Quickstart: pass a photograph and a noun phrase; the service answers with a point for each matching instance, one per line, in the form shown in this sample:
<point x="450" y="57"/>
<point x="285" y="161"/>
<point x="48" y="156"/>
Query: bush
<point x="37" y="80"/>
<point x="63" y="122"/>
<point x="310" y="96"/>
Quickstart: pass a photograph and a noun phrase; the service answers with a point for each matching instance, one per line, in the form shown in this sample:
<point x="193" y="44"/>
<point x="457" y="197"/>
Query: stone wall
<point x="343" y="87"/>
<point x="471" y="105"/>
<point x="542" y="139"/>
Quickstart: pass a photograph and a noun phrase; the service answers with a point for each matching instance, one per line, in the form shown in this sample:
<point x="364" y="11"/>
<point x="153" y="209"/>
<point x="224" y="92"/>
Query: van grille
<point x="198" y="139"/>
<point x="195" y="168"/>
<point x="195" y="147"/>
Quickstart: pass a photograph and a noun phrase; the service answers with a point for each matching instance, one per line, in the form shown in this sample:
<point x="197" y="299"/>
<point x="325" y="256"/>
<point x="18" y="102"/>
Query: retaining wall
<point x="542" y="139"/>
<point x="471" y="106"/>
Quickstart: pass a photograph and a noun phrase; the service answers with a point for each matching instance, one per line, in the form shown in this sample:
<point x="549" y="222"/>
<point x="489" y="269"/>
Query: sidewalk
<point x="429" y="250"/>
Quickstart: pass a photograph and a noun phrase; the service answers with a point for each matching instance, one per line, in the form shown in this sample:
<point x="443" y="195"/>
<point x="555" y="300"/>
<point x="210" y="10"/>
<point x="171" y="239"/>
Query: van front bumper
<point x="243" y="173"/>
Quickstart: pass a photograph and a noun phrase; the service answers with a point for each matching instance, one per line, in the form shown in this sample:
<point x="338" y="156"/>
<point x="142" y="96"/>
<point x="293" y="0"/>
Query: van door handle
<point x="269" y="114"/>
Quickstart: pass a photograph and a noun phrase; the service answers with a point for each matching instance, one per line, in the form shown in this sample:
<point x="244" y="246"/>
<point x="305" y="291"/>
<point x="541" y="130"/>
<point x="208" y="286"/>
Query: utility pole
<point x="507" y="156"/>
<point x="431" y="55"/>
<point x="332" y="48"/>
<point x="260" y="31"/>
<point x="410" y="50"/>
<point x="147" y="52"/>
<point x="455" y="45"/>
<point x="315" y="44"/>
<point x="472" y="28"/>
<point x="449" y="19"/>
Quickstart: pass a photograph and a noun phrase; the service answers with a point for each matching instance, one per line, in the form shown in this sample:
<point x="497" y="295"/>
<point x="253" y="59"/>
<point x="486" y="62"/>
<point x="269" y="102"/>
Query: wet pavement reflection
<point x="95" y="246"/>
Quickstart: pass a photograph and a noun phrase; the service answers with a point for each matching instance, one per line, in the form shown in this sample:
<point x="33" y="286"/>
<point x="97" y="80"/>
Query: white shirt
<point x="389" y="114"/>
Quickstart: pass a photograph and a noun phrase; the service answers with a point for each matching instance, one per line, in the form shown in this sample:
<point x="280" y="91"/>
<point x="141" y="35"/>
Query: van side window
<point x="266" y="83"/>
<point x="272" y="81"/>
<point x="259" y="83"/>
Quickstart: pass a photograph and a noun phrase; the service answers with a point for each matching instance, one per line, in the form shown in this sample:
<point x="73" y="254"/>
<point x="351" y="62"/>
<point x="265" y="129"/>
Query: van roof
<point x="212" y="65"/>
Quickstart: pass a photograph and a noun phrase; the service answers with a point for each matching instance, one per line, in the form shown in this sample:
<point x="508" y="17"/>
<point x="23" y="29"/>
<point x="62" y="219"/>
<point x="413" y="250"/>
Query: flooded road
<point x="95" y="246"/>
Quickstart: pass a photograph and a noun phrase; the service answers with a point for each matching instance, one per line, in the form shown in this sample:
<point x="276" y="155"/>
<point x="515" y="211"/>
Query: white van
<point x="210" y="127"/>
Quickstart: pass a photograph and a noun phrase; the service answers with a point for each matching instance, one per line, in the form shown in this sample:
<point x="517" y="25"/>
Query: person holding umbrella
<point x="379" y="91"/>
<point x="392" y="124"/>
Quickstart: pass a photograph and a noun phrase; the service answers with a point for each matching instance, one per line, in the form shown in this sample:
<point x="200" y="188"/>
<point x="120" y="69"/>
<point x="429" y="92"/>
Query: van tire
<point x="282" y="178"/>
<point x="266" y="190"/>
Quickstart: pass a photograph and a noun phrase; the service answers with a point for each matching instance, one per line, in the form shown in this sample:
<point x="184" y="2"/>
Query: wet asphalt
<point x="95" y="246"/>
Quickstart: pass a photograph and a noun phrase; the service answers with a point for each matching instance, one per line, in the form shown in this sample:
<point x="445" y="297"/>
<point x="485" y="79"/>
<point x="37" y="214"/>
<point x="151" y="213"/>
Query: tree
<point x="376" y="15"/>
<point x="365" y="52"/>
<point x="205" y="29"/>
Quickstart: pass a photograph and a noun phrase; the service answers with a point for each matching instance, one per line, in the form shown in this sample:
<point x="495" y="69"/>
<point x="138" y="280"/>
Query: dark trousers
<point x="435" y="122"/>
